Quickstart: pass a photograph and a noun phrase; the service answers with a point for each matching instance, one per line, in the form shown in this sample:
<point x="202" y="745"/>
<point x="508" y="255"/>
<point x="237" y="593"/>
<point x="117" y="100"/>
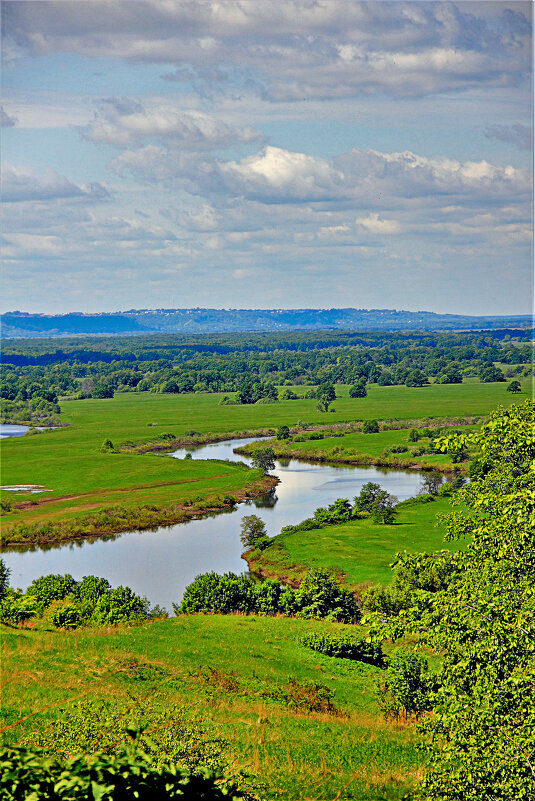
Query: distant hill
<point x="148" y="321"/>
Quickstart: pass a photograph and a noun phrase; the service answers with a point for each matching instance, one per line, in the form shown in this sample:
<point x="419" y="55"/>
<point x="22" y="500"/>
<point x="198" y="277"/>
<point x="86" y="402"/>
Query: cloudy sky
<point x="267" y="153"/>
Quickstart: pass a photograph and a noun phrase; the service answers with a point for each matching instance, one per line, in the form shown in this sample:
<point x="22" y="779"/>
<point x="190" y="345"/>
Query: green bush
<point x="407" y="689"/>
<point x="66" y="616"/>
<point x="53" y="587"/>
<point x="29" y="774"/>
<point x="344" y="645"/>
<point x="370" y="427"/>
<point x="321" y="596"/>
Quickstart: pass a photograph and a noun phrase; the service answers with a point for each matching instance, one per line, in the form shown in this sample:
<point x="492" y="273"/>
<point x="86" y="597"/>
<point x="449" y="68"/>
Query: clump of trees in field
<point x="68" y="604"/>
<point x="319" y="596"/>
<point x="37" y="375"/>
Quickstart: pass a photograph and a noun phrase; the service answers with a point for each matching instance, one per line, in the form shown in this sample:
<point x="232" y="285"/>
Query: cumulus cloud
<point x="291" y="49"/>
<point x="20" y="184"/>
<point x="358" y="179"/>
<point x="277" y="175"/>
<point x="519" y="135"/>
<point x="123" y="121"/>
<point x="374" y="225"/>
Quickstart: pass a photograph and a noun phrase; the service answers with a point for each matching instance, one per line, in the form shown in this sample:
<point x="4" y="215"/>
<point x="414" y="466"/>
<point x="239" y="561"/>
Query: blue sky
<point x="267" y="153"/>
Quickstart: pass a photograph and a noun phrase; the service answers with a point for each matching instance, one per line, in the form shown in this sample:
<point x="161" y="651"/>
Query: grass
<point x="360" y="551"/>
<point x="228" y="676"/>
<point x="82" y="479"/>
<point x="359" y="448"/>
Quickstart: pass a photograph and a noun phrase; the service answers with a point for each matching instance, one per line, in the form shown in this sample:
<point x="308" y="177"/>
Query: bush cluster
<point x="68" y="603"/>
<point x="318" y="596"/>
<point x="345" y="645"/>
<point x="26" y="773"/>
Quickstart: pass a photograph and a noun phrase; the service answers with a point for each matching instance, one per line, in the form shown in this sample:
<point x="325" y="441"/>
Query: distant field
<point x="228" y="676"/>
<point x="68" y="461"/>
<point x="361" y="551"/>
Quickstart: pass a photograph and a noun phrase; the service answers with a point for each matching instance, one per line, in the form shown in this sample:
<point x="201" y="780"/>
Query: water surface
<point x="160" y="564"/>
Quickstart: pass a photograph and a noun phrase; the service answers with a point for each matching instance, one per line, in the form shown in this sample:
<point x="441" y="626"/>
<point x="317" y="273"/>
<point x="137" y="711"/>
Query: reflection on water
<point x="162" y="562"/>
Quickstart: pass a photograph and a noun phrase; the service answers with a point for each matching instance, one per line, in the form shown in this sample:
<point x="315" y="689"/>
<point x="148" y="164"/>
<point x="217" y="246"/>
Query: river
<point x="160" y="564"/>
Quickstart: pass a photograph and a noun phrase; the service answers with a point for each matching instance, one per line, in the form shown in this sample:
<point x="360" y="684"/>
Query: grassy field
<point x="361" y="551"/>
<point x="225" y="677"/>
<point x="359" y="448"/>
<point x="83" y="480"/>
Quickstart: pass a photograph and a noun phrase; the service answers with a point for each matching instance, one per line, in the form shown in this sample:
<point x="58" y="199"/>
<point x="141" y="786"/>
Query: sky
<point x="267" y="154"/>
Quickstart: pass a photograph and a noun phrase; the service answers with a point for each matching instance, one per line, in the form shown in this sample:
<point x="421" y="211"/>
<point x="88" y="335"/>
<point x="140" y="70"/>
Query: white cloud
<point x="374" y="225"/>
<point x="276" y="174"/>
<point x="20" y="184"/>
<point x="292" y="48"/>
<point x="123" y="121"/>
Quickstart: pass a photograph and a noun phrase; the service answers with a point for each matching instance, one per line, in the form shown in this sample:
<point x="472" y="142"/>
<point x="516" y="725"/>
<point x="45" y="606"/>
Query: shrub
<point x="408" y="687"/>
<point x="344" y="645"/>
<point x="120" y="605"/>
<point x="126" y="774"/>
<point x="370" y="427"/>
<point x="321" y="596"/>
<point x="305" y="696"/>
<point x="53" y="587"/>
<point x="65" y="616"/>
<point x="211" y="592"/>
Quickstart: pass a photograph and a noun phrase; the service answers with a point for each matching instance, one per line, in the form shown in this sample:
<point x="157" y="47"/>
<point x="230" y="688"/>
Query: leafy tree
<point x="431" y="482"/>
<point x="253" y="532"/>
<point x="482" y="736"/>
<point x="358" y="390"/>
<point x="283" y="432"/>
<point x="407" y="687"/>
<point x="101" y="390"/>
<point x="53" y="587"/>
<point x="263" y="459"/>
<point x="491" y="373"/>
<point x="325" y="395"/>
<point x="5" y="573"/>
<point x="384" y="509"/>
<point x="416" y="378"/>
<point x="514" y="387"/>
<point x="369" y="493"/>
<point x="320" y="596"/>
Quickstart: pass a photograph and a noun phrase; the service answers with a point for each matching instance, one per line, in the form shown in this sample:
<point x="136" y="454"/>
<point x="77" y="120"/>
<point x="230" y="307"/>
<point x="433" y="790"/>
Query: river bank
<point x="116" y="520"/>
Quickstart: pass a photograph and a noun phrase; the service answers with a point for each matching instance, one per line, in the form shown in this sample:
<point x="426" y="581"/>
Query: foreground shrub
<point x="321" y="596"/>
<point x="27" y="774"/>
<point x="344" y="645"/>
<point x="407" y="689"/>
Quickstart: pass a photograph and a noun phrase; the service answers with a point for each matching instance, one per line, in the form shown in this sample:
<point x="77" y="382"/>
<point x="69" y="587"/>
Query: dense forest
<point x="36" y="373"/>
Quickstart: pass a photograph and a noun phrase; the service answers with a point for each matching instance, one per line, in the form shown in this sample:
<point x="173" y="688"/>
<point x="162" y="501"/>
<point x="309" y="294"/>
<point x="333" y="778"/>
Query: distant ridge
<point x="19" y="324"/>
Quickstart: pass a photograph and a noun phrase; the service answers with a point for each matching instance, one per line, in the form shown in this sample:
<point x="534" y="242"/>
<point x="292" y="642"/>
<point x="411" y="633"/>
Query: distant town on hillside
<point x="145" y="321"/>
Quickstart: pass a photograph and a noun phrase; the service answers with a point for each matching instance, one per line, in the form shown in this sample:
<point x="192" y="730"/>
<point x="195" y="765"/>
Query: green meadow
<point x="359" y="552"/>
<point x="223" y="683"/>
<point x="81" y="479"/>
